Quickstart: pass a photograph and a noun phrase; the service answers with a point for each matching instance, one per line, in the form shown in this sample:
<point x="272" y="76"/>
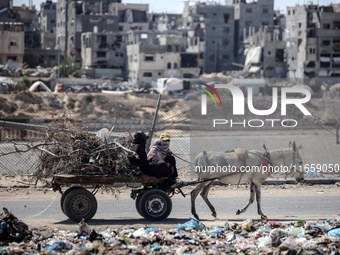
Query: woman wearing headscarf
<point x="160" y="153"/>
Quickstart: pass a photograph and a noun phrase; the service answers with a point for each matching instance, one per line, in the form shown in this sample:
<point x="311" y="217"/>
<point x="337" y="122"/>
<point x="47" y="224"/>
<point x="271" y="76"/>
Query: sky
<point x="176" y="6"/>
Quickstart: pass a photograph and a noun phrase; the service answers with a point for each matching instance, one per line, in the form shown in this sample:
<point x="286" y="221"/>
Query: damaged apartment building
<point x="77" y="17"/>
<point x="152" y="55"/>
<point x="313" y="41"/>
<point x="213" y="26"/>
<point x="249" y="14"/>
<point x="265" y="52"/>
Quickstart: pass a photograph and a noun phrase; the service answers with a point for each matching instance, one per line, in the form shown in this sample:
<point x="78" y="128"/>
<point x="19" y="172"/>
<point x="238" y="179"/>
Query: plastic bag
<point x="193" y="223"/>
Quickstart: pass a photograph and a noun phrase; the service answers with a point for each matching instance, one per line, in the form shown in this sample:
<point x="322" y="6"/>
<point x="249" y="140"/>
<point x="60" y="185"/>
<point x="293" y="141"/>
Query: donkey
<point x="253" y="167"/>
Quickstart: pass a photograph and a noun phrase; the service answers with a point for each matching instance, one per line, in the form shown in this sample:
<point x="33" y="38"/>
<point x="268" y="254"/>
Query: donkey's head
<point x="297" y="169"/>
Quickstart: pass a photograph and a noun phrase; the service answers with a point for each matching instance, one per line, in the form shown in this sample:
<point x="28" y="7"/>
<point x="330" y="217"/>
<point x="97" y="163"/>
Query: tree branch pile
<point x="68" y="149"/>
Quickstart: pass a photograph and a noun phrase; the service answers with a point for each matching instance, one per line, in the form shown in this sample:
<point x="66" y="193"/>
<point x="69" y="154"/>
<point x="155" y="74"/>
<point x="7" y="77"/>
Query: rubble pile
<point x="68" y="149"/>
<point x="191" y="237"/>
<point x="12" y="229"/>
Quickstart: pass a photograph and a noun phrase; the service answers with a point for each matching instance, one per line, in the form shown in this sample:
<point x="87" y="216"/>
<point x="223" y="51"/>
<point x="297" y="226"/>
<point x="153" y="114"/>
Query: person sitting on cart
<point x="156" y="169"/>
<point x="160" y="153"/>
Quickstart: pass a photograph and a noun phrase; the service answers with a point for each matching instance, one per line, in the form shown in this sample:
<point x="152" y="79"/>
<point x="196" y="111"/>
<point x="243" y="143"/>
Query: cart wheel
<point x="80" y="204"/>
<point x="137" y="202"/>
<point x="65" y="193"/>
<point x="155" y="204"/>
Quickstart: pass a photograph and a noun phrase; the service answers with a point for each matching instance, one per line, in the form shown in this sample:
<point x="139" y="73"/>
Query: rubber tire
<point x="65" y="193"/>
<point x="137" y="202"/>
<point x="84" y="196"/>
<point x="162" y="197"/>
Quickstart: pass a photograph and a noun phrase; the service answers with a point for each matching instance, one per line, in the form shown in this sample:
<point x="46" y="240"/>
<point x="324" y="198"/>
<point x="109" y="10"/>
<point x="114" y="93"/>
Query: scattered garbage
<point x="193" y="223"/>
<point x="313" y="173"/>
<point x="192" y="237"/>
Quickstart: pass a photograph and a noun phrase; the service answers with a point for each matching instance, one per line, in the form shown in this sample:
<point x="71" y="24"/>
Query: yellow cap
<point x="165" y="137"/>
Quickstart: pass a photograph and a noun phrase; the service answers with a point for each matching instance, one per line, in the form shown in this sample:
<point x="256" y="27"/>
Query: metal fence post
<point x="148" y="142"/>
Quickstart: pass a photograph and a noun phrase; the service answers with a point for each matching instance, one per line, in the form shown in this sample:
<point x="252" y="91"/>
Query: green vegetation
<point x="26" y="83"/>
<point x="67" y="67"/>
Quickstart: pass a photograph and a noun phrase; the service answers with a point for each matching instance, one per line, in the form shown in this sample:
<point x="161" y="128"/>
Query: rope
<point x="55" y="196"/>
<point x="182" y="159"/>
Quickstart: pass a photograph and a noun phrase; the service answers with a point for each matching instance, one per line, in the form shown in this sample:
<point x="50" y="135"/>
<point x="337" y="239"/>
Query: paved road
<point x="113" y="209"/>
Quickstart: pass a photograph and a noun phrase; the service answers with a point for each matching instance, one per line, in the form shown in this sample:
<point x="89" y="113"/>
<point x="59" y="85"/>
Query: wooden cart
<point x="78" y="203"/>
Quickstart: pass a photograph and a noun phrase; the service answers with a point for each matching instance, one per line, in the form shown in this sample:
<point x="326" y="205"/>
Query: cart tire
<point x="65" y="193"/>
<point x="137" y="202"/>
<point x="80" y="204"/>
<point x="155" y="204"/>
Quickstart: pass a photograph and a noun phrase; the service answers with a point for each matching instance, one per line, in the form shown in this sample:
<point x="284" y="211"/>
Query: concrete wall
<point x="12" y="44"/>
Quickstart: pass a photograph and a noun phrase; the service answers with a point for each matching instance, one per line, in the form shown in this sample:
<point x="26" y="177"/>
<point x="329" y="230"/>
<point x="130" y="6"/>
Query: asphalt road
<point x="283" y="207"/>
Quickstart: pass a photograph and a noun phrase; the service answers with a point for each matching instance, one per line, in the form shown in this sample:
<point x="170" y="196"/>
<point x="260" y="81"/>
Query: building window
<point x="147" y="74"/>
<point x="169" y="65"/>
<point x="269" y="52"/>
<point x="13" y="58"/>
<point x="148" y="58"/>
<point x="187" y="75"/>
<point x="52" y="21"/>
<point x="293" y="12"/>
<point x="326" y="43"/>
<point x="336" y="25"/>
<point x="213" y="42"/>
<point x="116" y="54"/>
<point x="175" y="65"/>
<point x="288" y="12"/>
<point x="101" y="54"/>
<point x="120" y="28"/>
<point x="265" y="10"/>
<point x="279" y="55"/>
<point x="225" y="57"/>
<point x="264" y="24"/>
<point x="159" y="74"/>
<point x="312" y="50"/>
<point x="13" y="43"/>
<point x="212" y="57"/>
<point x="326" y="26"/>
<point x="121" y="54"/>
<point x="249" y="10"/>
<point x="226" y="17"/>
<point x="299" y="25"/>
<point x="214" y="13"/>
<point x="169" y="48"/>
<point x="213" y="28"/>
<point x="225" y="42"/>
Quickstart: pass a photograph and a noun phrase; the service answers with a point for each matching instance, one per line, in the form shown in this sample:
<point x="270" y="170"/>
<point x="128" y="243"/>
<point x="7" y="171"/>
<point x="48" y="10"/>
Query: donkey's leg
<point x="251" y="199"/>
<point x="204" y="195"/>
<point x="194" y="195"/>
<point x="258" y="201"/>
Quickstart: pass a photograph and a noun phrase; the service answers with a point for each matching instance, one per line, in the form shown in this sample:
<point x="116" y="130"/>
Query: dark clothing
<point x="152" y="169"/>
<point x="172" y="161"/>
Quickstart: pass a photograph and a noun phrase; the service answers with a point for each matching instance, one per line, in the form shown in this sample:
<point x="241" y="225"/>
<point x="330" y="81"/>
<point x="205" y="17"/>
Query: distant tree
<point x="26" y="83"/>
<point x="67" y="67"/>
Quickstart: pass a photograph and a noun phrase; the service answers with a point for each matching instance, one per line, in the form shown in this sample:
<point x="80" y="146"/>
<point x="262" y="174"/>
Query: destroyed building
<point x="130" y="16"/>
<point x="254" y="14"/>
<point x="313" y="41"/>
<point x="12" y="43"/>
<point x="47" y="20"/>
<point x="165" y="21"/>
<point x="151" y="55"/>
<point x="75" y="18"/>
<point x="214" y="25"/>
<point x="103" y="54"/>
<point x="265" y="52"/>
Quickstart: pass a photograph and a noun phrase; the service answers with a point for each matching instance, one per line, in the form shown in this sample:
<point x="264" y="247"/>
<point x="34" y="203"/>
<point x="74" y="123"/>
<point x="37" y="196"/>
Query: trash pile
<point x="192" y="237"/>
<point x="12" y="229"/>
<point x="68" y="149"/>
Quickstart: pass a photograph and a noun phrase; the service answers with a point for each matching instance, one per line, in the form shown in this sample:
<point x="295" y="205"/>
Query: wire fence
<point x="191" y="132"/>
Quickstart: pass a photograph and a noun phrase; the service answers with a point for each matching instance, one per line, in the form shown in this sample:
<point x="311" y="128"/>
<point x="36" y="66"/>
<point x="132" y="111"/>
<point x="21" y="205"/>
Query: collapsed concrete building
<point x="130" y="16"/>
<point x="265" y="54"/>
<point x="254" y="14"/>
<point x="152" y="55"/>
<point x="103" y="55"/>
<point x="213" y="27"/>
<point x="313" y="41"/>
